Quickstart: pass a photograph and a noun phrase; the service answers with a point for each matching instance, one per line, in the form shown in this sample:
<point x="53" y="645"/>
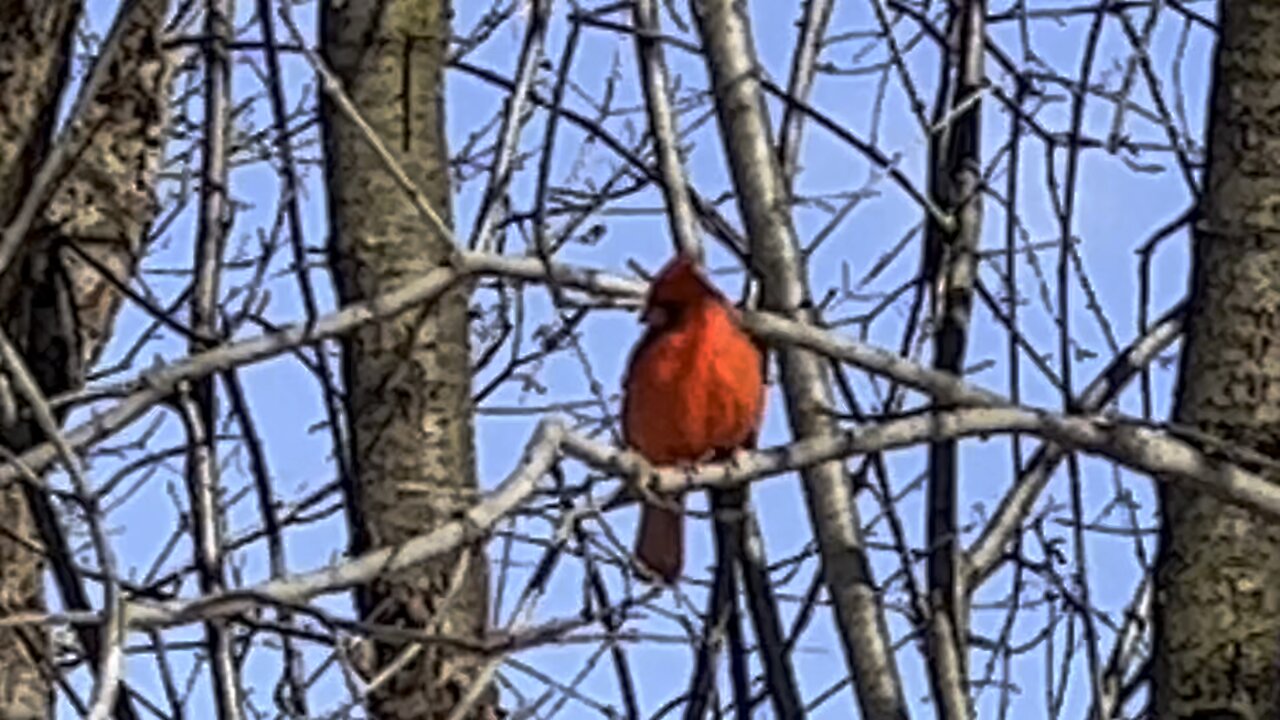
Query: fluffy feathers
<point x="694" y="391"/>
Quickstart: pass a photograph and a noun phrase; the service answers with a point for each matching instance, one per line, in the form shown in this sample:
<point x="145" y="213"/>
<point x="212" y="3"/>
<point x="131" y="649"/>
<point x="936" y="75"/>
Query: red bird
<point x="694" y="391"/>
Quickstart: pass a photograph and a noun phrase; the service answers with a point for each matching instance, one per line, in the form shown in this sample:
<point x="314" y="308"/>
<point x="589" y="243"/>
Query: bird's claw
<point x="643" y="487"/>
<point x="738" y="458"/>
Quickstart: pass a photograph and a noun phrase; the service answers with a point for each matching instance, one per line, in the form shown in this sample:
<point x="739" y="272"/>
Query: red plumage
<point x="694" y="391"/>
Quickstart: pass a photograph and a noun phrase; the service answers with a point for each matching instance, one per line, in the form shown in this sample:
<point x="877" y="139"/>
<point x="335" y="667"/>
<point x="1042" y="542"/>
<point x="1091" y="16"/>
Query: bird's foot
<point x="738" y="458"/>
<point x="690" y="469"/>
<point x="642" y="485"/>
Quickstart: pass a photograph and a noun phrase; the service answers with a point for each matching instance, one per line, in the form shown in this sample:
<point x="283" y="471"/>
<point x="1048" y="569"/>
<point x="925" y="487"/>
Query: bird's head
<point x="678" y="286"/>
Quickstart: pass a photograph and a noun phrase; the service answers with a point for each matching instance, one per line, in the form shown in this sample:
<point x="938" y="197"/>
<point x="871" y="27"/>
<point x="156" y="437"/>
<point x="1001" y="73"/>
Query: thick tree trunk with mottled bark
<point x="34" y="49"/>
<point x="58" y="305"/>
<point x="60" y="292"/>
<point x="408" y="379"/>
<point x="1218" y="575"/>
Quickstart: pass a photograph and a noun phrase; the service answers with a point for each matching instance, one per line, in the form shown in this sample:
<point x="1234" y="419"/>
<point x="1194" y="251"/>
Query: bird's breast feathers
<point x="693" y="392"/>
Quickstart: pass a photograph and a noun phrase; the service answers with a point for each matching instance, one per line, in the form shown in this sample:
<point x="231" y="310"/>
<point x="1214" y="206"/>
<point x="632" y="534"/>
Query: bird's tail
<point x="660" y="542"/>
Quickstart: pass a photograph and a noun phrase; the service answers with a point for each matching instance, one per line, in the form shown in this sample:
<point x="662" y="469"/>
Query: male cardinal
<point x="694" y="391"/>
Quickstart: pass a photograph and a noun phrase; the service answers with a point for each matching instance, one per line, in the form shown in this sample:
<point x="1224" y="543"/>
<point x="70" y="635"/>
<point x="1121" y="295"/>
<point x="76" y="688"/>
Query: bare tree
<point x="1217" y="610"/>
<point x="351" y="448"/>
<point x="775" y="252"/>
<point x="76" y="207"/>
<point x="407" y="378"/>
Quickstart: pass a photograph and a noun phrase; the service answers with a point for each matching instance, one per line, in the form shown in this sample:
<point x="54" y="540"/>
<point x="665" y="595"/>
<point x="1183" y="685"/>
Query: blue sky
<point x="1117" y="208"/>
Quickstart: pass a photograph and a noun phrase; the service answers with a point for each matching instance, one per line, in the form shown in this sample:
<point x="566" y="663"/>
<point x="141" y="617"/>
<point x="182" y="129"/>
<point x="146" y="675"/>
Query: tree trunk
<point x="1218" y="573"/>
<point x="408" y="378"/>
<point x="761" y="190"/>
<point x="60" y="292"/>
<point x="950" y="266"/>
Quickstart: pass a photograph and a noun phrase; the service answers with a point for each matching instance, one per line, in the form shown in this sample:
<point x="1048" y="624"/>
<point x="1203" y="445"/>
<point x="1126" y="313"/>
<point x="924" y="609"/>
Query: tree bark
<point x="762" y="194"/>
<point x="35" y="48"/>
<point x="1217" y="599"/>
<point x="61" y="291"/>
<point x="950" y="267"/>
<point x="408" y="378"/>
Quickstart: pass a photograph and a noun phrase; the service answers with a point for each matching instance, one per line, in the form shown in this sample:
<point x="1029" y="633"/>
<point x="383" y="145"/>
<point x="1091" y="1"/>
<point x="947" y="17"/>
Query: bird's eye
<point x="655" y="316"/>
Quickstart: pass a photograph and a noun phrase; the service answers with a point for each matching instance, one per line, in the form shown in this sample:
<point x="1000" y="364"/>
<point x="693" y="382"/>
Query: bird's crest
<point x="681" y="282"/>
